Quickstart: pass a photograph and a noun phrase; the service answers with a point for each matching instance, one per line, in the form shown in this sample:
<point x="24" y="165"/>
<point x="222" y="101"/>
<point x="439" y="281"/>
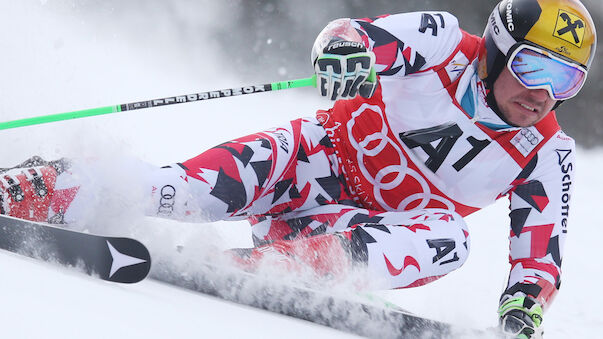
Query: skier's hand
<point x="345" y="69"/>
<point x="520" y="317"/>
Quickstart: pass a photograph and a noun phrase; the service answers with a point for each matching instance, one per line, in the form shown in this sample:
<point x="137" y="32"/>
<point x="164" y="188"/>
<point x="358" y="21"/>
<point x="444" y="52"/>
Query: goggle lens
<point x="535" y="69"/>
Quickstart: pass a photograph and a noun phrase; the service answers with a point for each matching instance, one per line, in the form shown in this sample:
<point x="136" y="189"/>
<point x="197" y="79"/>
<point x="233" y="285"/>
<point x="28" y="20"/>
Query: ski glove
<point x="520" y="317"/>
<point x="345" y="69"/>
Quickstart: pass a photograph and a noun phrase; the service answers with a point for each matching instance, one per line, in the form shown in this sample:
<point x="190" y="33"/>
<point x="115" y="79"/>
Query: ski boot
<point x="323" y="256"/>
<point x="26" y="189"/>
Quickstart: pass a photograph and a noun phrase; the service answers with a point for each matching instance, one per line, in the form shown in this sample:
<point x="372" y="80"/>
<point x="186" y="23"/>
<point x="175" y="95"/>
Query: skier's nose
<point x="539" y="95"/>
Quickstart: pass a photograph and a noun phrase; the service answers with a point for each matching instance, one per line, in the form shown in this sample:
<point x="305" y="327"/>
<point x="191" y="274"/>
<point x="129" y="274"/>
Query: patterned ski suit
<point x="385" y="182"/>
<point x="395" y="174"/>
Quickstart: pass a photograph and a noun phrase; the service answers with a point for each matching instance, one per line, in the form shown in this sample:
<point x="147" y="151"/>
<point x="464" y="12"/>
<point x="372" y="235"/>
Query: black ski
<point x="349" y="313"/>
<point x="114" y="259"/>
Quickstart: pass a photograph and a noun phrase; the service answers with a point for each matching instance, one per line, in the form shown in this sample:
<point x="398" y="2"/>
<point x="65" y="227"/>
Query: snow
<point x="59" y="57"/>
<point x="41" y="301"/>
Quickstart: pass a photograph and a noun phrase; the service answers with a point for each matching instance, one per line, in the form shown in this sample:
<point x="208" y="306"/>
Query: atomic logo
<point x="120" y="260"/>
<point x="569" y="28"/>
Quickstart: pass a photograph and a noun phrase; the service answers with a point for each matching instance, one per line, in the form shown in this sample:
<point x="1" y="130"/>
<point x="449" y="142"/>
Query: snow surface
<point x="60" y="56"/>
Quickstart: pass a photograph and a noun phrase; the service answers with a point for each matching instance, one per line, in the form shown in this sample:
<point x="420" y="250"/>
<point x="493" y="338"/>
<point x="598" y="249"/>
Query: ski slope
<point x="41" y="302"/>
<point x="64" y="57"/>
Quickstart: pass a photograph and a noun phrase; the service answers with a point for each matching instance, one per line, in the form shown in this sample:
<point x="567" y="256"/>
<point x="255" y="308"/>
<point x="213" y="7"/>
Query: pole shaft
<point x="180" y="99"/>
<point x="59" y="117"/>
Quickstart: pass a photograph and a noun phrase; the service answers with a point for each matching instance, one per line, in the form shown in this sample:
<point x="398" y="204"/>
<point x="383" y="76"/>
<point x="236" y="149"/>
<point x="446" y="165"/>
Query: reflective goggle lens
<point x="535" y="69"/>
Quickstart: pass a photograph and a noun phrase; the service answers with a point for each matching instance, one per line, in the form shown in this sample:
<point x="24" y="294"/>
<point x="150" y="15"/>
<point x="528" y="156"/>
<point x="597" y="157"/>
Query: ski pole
<point x="180" y="99"/>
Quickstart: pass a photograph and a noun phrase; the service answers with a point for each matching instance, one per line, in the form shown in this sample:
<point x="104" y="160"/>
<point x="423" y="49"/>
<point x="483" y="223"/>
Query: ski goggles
<point x="536" y="68"/>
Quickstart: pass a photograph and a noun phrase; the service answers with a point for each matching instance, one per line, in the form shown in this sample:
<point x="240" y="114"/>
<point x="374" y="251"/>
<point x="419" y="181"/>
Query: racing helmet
<point x="547" y="44"/>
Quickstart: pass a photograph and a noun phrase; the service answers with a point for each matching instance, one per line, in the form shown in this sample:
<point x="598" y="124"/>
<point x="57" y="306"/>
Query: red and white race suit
<point x="384" y="182"/>
<point x="427" y="139"/>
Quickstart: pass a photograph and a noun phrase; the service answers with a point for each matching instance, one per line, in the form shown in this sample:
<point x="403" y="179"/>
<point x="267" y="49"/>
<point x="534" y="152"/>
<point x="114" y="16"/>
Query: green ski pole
<point x="180" y="99"/>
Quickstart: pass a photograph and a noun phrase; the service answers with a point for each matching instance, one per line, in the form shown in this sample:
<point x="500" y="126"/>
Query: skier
<point x="429" y="125"/>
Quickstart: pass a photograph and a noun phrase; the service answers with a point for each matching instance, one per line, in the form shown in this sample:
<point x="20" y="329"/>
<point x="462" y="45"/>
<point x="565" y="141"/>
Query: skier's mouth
<point x="527" y="108"/>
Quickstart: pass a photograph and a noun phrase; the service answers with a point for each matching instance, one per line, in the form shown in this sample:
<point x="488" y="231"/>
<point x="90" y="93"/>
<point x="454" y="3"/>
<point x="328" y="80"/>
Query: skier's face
<point x="521" y="106"/>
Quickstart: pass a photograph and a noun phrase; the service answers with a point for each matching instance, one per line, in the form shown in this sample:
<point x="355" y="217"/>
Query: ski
<point x="348" y="312"/>
<point x="122" y="260"/>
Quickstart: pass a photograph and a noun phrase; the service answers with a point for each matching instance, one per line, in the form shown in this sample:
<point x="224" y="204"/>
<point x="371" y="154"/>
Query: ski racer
<point x="429" y="125"/>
